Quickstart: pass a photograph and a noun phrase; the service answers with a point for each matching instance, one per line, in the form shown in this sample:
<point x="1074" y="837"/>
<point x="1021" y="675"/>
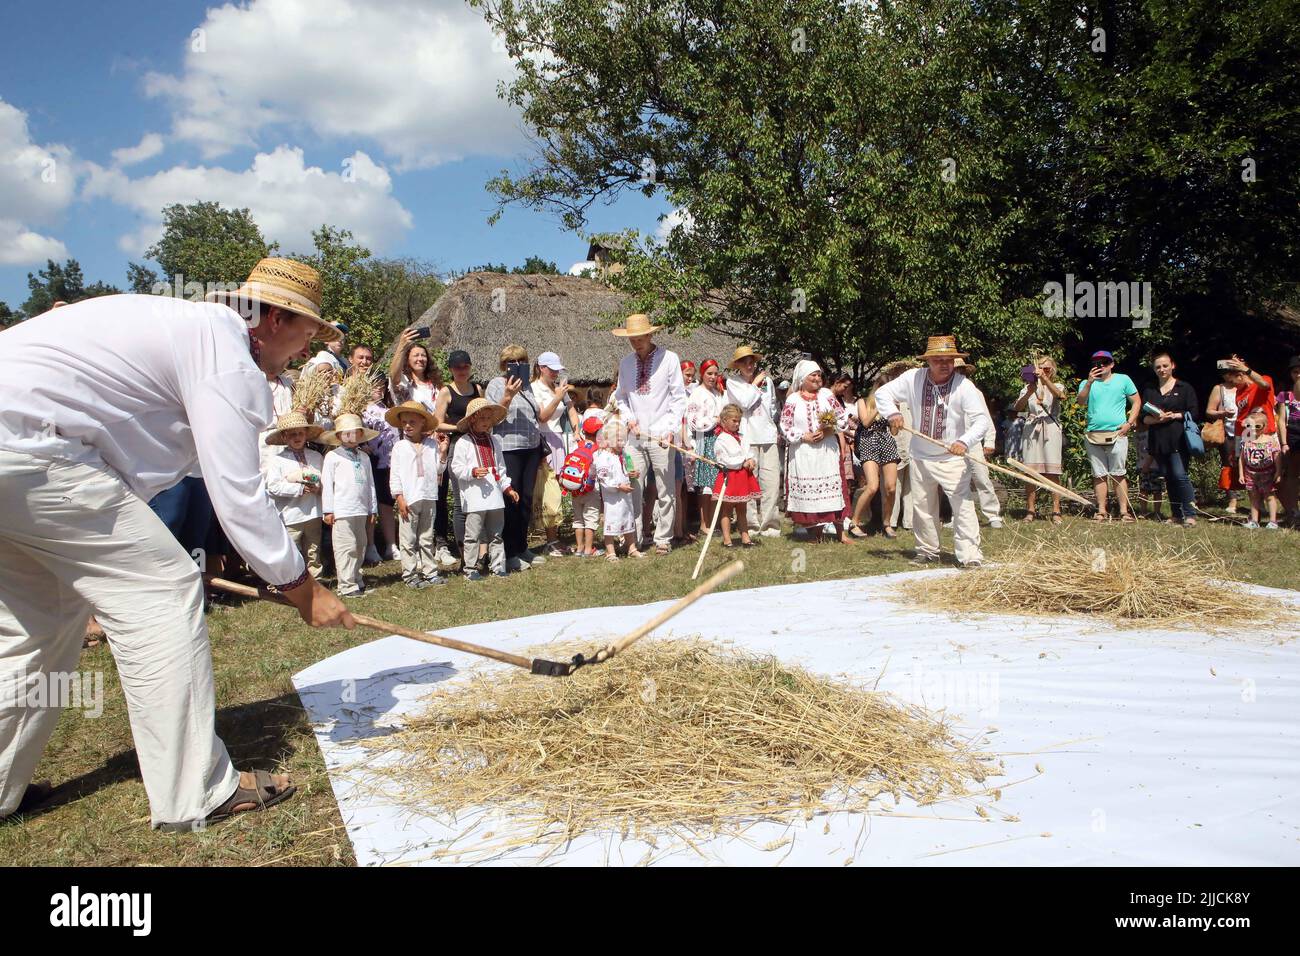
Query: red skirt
<point x="736" y="485"/>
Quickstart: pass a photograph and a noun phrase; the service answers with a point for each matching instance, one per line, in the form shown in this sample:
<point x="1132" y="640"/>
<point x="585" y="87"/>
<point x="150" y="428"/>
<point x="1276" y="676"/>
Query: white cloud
<point x="416" y="77"/>
<point x="667" y="222"/>
<point x="286" y="198"/>
<point x="150" y="145"/>
<point x="19" y="246"/>
<point x="36" y="185"/>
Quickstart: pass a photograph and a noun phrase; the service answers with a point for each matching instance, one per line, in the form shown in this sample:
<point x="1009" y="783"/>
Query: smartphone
<point x="517" y="370"/>
<point x="423" y="333"/>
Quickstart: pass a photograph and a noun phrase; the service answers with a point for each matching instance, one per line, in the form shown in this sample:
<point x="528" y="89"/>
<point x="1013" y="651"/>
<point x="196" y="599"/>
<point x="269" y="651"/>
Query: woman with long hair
<point x="1042" y="441"/>
<point x="876" y="451"/>
<point x="412" y="375"/>
<point x="702" y="410"/>
<point x="452" y="400"/>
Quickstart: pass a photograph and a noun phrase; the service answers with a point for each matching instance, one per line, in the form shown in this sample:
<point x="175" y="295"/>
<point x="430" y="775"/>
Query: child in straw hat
<point x="293" y="479"/>
<point x="348" y="499"/>
<point x="479" y="466"/>
<point x="417" y="465"/>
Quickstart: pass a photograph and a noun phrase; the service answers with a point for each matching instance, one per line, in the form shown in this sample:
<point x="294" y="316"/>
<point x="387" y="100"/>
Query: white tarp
<point x="1157" y="748"/>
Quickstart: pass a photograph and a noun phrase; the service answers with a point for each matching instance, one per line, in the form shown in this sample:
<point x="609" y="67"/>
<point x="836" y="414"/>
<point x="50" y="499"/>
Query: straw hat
<point x="412" y="407"/>
<point x="942" y="346"/>
<point x="288" y="422"/>
<point x="347" y="423"/>
<point x="744" y="352"/>
<point x="288" y="284"/>
<point x="638" y="323"/>
<point x="481" y="407"/>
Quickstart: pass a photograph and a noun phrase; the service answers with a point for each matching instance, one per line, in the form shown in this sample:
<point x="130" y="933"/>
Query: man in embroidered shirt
<point x="154" y="389"/>
<point x="949" y="408"/>
<point x="651" y="399"/>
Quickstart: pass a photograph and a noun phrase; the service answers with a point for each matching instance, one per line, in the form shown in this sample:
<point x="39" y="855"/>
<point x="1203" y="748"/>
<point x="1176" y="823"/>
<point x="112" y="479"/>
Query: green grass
<point x="100" y="815"/>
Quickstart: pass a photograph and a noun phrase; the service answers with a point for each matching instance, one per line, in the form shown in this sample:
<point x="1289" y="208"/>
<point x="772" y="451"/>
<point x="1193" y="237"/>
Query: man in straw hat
<point x="946" y="406"/>
<point x="651" y="399"/>
<point x="155" y="389"/>
<point x="755" y="393"/>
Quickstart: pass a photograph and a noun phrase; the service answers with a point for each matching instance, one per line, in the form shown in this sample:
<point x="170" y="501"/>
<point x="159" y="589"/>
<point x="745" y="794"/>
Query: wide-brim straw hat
<point x="411" y="407"/>
<point x="287" y="423"/>
<point x="638" y="323"/>
<point x="482" y="408"/>
<point x="744" y="352"/>
<point x="347" y="423"/>
<point x="288" y="284"/>
<point x="942" y="346"/>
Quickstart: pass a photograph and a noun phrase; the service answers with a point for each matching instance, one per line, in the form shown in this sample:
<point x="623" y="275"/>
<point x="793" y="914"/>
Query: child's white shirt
<point x="731" y="451"/>
<point x="415" y="470"/>
<point x="479" y="494"/>
<point x="348" y="484"/>
<point x="279" y="471"/>
<point x="610" y="472"/>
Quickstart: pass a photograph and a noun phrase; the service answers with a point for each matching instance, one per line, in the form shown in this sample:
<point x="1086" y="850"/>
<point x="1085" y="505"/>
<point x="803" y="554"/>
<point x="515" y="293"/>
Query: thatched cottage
<point x="482" y="312"/>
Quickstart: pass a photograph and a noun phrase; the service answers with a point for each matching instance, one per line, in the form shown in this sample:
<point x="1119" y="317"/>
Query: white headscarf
<point x="802" y="371"/>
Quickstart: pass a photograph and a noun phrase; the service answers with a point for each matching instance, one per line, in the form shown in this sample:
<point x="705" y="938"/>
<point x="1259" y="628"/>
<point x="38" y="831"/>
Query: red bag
<point x="575" y="475"/>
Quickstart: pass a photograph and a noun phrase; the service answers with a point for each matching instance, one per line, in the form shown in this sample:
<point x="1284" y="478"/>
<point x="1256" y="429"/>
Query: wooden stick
<point x="695" y="455"/>
<point x="627" y="640"/>
<point x="1062" y="489"/>
<point x="387" y="628"/>
<point x="717" y="510"/>
<point x="1019" y="476"/>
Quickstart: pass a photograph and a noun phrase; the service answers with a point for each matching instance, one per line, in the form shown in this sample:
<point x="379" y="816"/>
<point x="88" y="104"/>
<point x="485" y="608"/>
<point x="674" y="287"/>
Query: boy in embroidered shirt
<point x="416" y="468"/>
<point x="348" y="500"/>
<point x="478" y="464"/>
<point x="293" y="478"/>
<point x="616" y="490"/>
<point x="586" y="504"/>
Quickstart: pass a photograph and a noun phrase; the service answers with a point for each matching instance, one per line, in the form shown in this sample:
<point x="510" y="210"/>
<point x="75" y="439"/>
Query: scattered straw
<point x="678" y="737"/>
<point x="1145" y="585"/>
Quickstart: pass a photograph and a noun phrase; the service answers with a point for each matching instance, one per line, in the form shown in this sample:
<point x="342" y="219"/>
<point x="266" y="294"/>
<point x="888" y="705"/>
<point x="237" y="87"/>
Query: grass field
<point x="100" y="816"/>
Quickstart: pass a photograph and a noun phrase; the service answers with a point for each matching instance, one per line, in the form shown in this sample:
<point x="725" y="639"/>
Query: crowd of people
<point x="159" y="450"/>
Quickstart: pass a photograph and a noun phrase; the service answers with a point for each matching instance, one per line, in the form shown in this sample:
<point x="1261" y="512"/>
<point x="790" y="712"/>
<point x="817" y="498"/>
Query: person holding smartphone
<point x="1105" y="393"/>
<point x="554" y="397"/>
<point x="522" y="446"/>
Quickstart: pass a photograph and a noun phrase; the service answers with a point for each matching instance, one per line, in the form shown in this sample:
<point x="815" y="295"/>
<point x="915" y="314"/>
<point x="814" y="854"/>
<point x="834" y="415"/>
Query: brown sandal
<point x="264" y="794"/>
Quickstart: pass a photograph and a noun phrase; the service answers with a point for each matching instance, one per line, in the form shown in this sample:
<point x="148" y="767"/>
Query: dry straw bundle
<point x="682" y="738"/>
<point x="314" y="390"/>
<point x="354" y="394"/>
<point x="1136" y="585"/>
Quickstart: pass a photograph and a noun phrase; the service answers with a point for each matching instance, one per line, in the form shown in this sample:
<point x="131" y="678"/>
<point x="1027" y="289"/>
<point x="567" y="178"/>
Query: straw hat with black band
<point x="481" y="408"/>
<point x="742" y="352"/>
<point x="286" y="284"/>
<point x="638" y="323"/>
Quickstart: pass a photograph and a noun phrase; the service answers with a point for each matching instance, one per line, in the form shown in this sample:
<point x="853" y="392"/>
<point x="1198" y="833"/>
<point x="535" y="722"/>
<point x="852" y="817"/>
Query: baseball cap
<point x="550" y="360"/>
<point x="1294" y="363"/>
<point x="1103" y="354"/>
<point x="592" y="425"/>
<point x="458" y="358"/>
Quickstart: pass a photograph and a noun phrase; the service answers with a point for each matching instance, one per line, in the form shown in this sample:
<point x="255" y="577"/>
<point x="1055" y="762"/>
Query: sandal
<point x="661" y="550"/>
<point x="260" y="796"/>
<point x="1127" y="518"/>
<point x="1101" y="516"/>
<point x="749" y="544"/>
<point x="890" y="533"/>
<point x="1056" y="518"/>
<point x="857" y="532"/>
<point x="1030" y="516"/>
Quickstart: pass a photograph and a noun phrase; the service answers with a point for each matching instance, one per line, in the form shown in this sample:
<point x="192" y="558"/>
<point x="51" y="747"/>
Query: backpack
<point x="575" y="475"/>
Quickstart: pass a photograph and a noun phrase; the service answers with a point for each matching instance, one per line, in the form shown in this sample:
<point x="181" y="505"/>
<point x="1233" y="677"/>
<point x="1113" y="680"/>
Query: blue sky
<point x="375" y="115"/>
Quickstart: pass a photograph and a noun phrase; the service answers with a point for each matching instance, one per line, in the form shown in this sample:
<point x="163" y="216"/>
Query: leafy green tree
<point x="533" y="265"/>
<point x="140" y="279"/>
<point x="399" y="291"/>
<point x="203" y="243"/>
<point x="57" y="283"/>
<point x="343" y="269"/>
<point x="8" y="316"/>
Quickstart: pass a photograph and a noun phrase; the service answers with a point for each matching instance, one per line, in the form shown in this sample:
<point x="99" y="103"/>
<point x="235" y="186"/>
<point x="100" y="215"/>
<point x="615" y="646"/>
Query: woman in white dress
<point x="814" y="485"/>
<point x="702" y="410"/>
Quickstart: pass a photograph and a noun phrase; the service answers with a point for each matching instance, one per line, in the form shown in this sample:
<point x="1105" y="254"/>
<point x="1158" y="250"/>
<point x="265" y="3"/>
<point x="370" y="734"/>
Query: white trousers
<point x="763" y="514"/>
<point x="349" y="540"/>
<point x="952" y="476"/>
<point x="485" y="527"/>
<point x="901" y="516"/>
<point x="74" y="539"/>
<point x="982" y="484"/>
<point x="415" y="541"/>
<point x="652" y="458"/>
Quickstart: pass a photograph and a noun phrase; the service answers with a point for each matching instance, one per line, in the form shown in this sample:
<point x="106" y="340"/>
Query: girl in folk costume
<point x="702" y="410"/>
<point x="418" y="464"/>
<point x="293" y="479"/>
<point x="811" y="422"/>
<point x="479" y="466"/>
<point x="616" y="490"/>
<point x="735" y="486"/>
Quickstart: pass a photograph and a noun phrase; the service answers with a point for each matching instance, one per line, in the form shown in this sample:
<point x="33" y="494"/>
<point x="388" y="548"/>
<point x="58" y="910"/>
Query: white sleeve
<point x="462" y="460"/>
<point x="226" y="413"/>
<point x="621" y="396"/>
<point x="327" y="484"/>
<point x="374" y="494"/>
<point x="276" y="482"/>
<point x="676" y="395"/>
<point x="395" y="466"/>
<point x="979" y="416"/>
<point x="744" y="394"/>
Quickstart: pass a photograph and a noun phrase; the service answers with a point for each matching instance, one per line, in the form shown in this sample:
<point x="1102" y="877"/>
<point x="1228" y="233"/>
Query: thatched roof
<point x="564" y="314"/>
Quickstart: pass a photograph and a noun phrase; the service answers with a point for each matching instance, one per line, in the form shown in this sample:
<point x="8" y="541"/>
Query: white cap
<point x="550" y="360"/>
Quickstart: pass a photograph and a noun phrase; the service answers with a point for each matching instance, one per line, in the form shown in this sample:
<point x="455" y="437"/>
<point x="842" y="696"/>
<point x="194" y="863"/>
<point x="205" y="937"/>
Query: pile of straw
<point x="1148" y="585"/>
<point x="676" y="737"/>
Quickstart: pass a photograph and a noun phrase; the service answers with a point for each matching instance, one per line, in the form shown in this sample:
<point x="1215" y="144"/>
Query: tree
<point x="533" y="265"/>
<point x="8" y="316"/>
<point x="204" y="243"/>
<point x="342" y="267"/>
<point x="140" y="279"/>
<point x="861" y="175"/>
<point x="57" y="283"/>
<point x="400" y="291"/>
